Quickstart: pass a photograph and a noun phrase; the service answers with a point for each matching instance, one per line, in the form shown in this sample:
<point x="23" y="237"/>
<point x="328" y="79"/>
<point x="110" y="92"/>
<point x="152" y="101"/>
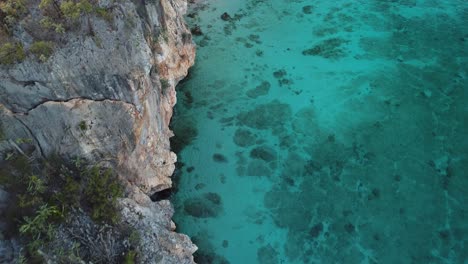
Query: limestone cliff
<point x="106" y="95"/>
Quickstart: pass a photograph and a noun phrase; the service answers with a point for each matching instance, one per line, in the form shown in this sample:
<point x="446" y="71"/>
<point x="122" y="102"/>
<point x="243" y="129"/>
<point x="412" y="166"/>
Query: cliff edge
<point x="102" y="88"/>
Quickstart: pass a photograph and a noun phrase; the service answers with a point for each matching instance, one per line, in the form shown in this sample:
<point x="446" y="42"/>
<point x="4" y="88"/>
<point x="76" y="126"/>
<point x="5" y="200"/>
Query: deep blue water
<point x="326" y="132"/>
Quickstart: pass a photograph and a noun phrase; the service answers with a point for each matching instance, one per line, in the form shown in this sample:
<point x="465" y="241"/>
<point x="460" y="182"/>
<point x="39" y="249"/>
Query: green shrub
<point x="70" y="194"/>
<point x="101" y="192"/>
<point x="83" y="126"/>
<point x="73" y="10"/>
<point x="42" y="49"/>
<point x="40" y="224"/>
<point x="130" y="257"/>
<point x="44" y="194"/>
<point x="39" y="229"/>
<point x="12" y="10"/>
<point x="36" y="185"/>
<point x="104" y="13"/>
<point x="14" y="173"/>
<point x="48" y="23"/>
<point x="164" y="85"/>
<point x="11" y="53"/>
<point x="45" y="3"/>
<point x="28" y="201"/>
<point x="22" y="259"/>
<point x="13" y="7"/>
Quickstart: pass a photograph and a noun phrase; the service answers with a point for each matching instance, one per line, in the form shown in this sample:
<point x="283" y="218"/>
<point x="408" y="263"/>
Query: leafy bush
<point x="42" y="49"/>
<point x="82" y="125"/>
<point x="41" y="223"/>
<point x="48" y="23"/>
<point x="11" y="53"/>
<point x="46" y="193"/>
<point x="39" y="229"/>
<point x="101" y="191"/>
<point x="35" y="185"/>
<point x="57" y="15"/>
<point x="13" y="7"/>
<point x="46" y="3"/>
<point x="70" y="194"/>
<point x="73" y="10"/>
<point x="12" y="10"/>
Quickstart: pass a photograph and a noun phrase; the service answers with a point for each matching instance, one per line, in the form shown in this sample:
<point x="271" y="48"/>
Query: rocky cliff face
<point x="106" y="95"/>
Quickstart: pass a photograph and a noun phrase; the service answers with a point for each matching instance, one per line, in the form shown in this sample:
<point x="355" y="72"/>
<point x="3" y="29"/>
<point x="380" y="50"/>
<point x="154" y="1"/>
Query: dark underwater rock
<point x="204" y="206"/>
<point x="244" y="138"/>
<point x="220" y="158"/>
<point x="267" y="255"/>
<point x="196" y="30"/>
<point x="259" y="90"/>
<point x="307" y="9"/>
<point x="225" y="16"/>
<point x="264" y="153"/>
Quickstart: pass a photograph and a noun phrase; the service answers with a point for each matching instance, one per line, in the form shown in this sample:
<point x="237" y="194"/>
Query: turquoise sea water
<point x="326" y="132"/>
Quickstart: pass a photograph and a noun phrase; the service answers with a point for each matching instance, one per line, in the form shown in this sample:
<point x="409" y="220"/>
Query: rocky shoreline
<point x="106" y="95"/>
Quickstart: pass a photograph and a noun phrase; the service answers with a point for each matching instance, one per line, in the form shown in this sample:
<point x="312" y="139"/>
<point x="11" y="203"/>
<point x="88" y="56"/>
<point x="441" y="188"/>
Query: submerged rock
<point x="196" y="30"/>
<point x="220" y="158"/>
<point x="207" y="205"/>
<point x="330" y="49"/>
<point x="307" y="9"/>
<point x="258" y="168"/>
<point x="244" y="138"/>
<point x="267" y="255"/>
<point x="264" y="153"/>
<point x="225" y="243"/>
<point x="316" y="230"/>
<point x="186" y="131"/>
<point x="200" y="186"/>
<point x="259" y="90"/>
<point x="265" y="116"/>
<point x="225" y="16"/>
<point x="209" y="257"/>
<point x="349" y="228"/>
<point x="279" y="73"/>
<point x="213" y="197"/>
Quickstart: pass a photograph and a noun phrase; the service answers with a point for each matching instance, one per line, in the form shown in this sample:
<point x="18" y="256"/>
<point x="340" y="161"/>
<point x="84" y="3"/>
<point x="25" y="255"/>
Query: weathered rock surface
<point x="108" y="98"/>
<point x="159" y="242"/>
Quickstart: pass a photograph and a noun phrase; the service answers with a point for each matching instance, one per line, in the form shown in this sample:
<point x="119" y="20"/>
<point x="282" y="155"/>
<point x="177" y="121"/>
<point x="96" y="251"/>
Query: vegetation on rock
<point x="50" y="24"/>
<point x="83" y="126"/>
<point x="164" y="85"/>
<point x="73" y="10"/>
<point x="42" y="50"/>
<point x="101" y="191"/>
<point x="55" y="200"/>
<point x="54" y="16"/>
<point x="11" y="53"/>
<point x="10" y="11"/>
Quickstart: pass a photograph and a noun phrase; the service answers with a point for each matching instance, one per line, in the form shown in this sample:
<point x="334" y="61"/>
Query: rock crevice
<point x="44" y="103"/>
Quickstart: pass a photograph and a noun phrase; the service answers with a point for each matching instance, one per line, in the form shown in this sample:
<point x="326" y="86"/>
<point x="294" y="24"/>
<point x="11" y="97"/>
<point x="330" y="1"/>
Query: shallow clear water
<point x="326" y="132"/>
